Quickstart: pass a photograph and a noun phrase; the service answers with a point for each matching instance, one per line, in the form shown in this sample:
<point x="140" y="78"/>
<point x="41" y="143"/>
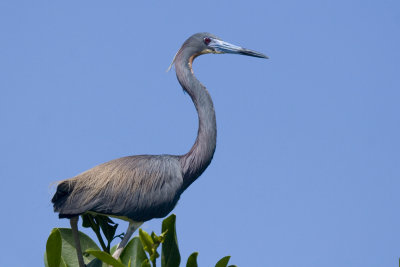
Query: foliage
<point x="97" y="222"/>
<point x="141" y="251"/>
<point x="63" y="253"/>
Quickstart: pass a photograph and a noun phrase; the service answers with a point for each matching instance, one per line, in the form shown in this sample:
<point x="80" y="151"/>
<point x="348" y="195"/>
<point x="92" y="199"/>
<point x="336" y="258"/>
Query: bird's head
<point x="205" y="43"/>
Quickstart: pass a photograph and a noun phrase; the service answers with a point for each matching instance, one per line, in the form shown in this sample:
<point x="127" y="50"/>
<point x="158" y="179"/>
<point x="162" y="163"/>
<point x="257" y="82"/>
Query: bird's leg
<point x="131" y="229"/>
<point x="74" y="226"/>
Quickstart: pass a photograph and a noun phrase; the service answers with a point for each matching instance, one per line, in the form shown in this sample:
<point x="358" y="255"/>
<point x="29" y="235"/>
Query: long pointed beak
<point x="225" y="47"/>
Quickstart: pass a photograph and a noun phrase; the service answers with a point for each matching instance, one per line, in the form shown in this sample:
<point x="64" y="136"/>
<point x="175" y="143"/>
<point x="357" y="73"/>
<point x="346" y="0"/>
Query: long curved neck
<point x="200" y="155"/>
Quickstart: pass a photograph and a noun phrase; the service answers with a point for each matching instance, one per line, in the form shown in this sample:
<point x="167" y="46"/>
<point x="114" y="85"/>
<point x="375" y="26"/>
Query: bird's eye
<point x="207" y="40"/>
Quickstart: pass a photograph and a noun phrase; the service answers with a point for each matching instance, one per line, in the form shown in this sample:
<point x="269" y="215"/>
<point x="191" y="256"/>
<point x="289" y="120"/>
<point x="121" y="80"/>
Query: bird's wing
<point x="136" y="187"/>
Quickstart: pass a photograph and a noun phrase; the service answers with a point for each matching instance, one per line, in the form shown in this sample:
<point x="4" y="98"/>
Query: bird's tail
<point x="64" y="189"/>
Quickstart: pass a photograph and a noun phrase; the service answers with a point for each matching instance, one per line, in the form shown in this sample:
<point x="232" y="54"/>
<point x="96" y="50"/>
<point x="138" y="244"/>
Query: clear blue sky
<point x="307" y="166"/>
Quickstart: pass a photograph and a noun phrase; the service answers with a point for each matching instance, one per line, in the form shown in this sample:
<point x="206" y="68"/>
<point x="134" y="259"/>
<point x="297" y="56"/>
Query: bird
<point x="142" y="187"/>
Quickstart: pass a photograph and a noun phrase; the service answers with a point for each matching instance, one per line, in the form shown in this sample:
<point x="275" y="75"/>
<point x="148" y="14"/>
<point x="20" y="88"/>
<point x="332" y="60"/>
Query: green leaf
<point x="53" y="248"/>
<point x="170" y="256"/>
<point x="162" y="236"/>
<point x="155" y="238"/>
<point x="146" y="240"/>
<point x="105" y="257"/>
<point x="158" y="239"/>
<point x="97" y="222"/>
<point x="192" y="260"/>
<point x="68" y="252"/>
<point x="146" y="263"/>
<point x="108" y="227"/>
<point x="154" y="256"/>
<point x="63" y="264"/>
<point x="133" y="252"/>
<point x="95" y="263"/>
<point x="87" y="220"/>
<point x="223" y="262"/>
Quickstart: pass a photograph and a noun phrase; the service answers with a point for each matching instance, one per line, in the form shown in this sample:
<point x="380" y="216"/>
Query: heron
<point x="140" y="188"/>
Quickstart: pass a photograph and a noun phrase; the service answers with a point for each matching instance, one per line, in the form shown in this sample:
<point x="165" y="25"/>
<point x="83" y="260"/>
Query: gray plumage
<point x="139" y="188"/>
